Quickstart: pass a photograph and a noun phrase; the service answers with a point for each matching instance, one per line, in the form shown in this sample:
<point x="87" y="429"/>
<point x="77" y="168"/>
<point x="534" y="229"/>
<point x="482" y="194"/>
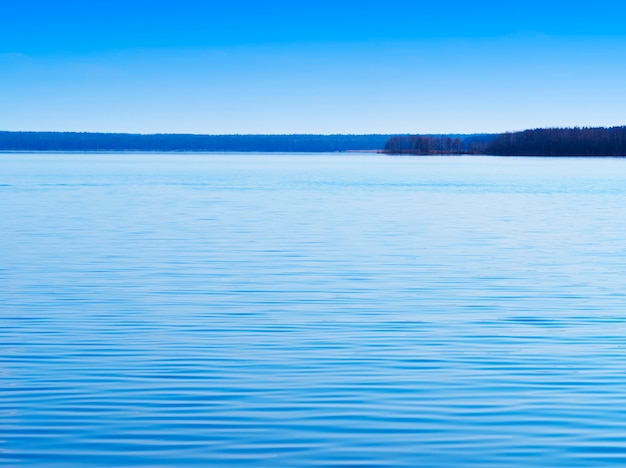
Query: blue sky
<point x="311" y="67"/>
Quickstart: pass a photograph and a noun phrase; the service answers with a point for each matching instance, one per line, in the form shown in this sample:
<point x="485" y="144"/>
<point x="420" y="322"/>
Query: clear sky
<point x="311" y="66"/>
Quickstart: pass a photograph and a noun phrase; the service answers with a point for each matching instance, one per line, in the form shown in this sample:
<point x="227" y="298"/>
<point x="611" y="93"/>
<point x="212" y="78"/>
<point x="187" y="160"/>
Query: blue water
<point x="311" y="310"/>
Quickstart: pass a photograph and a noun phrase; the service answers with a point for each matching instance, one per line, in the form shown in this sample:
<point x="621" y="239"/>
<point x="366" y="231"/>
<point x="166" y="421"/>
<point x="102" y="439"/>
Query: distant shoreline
<point x="554" y="142"/>
<point x="102" y="142"/>
<point x="562" y="142"/>
<point x="127" y="142"/>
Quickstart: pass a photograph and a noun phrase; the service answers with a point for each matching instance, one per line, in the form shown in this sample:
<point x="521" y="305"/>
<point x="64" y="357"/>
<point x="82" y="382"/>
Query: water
<point x="311" y="310"/>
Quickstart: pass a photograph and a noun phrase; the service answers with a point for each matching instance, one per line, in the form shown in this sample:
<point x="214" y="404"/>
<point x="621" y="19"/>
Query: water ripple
<point x="295" y="311"/>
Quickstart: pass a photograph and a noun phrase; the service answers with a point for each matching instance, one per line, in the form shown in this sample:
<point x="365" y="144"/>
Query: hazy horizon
<point x="283" y="68"/>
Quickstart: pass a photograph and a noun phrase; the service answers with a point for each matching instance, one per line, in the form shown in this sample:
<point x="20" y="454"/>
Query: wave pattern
<point x="233" y="310"/>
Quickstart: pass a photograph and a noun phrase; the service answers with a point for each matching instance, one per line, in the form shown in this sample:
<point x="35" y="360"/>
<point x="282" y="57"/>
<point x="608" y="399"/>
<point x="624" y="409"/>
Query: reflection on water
<point x="311" y="310"/>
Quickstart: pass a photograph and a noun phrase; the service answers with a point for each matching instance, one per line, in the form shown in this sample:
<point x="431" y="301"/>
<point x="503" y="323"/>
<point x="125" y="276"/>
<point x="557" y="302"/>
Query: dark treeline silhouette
<point x="576" y="141"/>
<point x="418" y="144"/>
<point x="588" y="141"/>
<point x="74" y="141"/>
<point x="438" y="144"/>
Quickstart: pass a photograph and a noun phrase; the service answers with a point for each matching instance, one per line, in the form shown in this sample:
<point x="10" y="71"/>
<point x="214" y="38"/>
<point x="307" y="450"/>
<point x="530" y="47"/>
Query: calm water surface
<point x="311" y="310"/>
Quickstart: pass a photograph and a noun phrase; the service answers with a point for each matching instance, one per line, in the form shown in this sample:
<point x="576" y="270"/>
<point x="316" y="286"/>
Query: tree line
<point x="419" y="144"/>
<point x="576" y="141"/>
<point x="76" y="141"/>
<point x="438" y="144"/>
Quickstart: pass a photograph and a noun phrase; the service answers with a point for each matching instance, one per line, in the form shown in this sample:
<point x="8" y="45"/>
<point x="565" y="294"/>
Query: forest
<point x="586" y="141"/>
<point x="74" y="141"/>
<point x="438" y="144"/>
<point x="576" y="141"/>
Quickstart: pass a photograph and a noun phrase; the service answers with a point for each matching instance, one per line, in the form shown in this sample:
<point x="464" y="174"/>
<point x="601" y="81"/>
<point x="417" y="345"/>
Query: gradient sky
<point x="311" y="67"/>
